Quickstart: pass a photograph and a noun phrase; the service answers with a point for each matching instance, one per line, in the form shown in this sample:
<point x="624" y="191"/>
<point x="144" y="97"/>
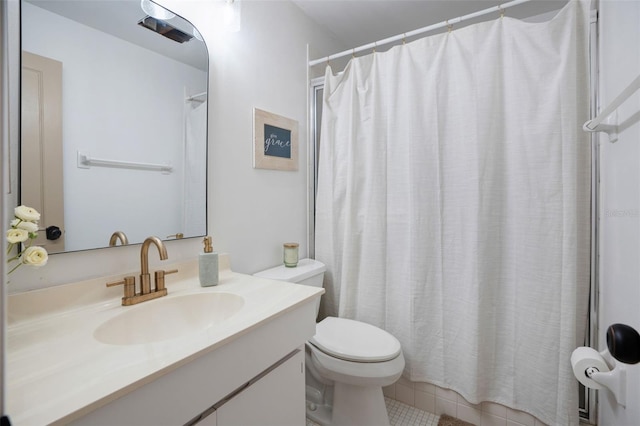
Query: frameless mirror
<point x="113" y="123"/>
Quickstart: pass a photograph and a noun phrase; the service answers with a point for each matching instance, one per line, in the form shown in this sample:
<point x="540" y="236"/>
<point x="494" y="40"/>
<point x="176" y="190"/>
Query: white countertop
<point x="57" y="370"/>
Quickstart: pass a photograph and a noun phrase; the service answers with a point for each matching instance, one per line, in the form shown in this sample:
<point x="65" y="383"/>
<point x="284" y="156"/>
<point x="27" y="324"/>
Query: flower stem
<point x="14" y="268"/>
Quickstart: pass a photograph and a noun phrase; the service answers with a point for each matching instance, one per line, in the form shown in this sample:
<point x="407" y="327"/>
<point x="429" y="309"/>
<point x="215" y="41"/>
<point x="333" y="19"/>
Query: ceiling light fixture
<point x="231" y="15"/>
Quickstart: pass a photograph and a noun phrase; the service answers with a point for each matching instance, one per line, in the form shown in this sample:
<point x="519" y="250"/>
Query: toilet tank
<point x="308" y="272"/>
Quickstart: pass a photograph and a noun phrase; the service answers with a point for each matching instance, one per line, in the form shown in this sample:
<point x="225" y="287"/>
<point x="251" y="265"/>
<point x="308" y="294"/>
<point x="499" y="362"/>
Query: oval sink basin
<point x="168" y="318"/>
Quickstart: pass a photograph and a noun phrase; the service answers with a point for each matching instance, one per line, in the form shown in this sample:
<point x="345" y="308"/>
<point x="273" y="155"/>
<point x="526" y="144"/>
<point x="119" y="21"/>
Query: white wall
<point x="620" y="196"/>
<point x="120" y="102"/>
<point x="251" y="212"/>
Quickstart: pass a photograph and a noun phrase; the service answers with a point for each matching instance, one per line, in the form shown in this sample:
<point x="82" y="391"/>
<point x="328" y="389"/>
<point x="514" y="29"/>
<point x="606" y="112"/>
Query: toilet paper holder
<point x="615" y="379"/>
<point x="601" y="369"/>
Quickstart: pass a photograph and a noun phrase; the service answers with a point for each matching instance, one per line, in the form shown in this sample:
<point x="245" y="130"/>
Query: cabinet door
<point x="276" y="399"/>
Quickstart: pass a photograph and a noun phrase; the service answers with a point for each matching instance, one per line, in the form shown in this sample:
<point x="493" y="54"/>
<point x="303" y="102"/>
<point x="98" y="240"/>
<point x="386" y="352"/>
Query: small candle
<point x="290" y="255"/>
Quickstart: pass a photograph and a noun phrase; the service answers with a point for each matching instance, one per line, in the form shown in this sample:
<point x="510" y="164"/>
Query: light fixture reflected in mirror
<point x="197" y="34"/>
<point x="155" y="11"/>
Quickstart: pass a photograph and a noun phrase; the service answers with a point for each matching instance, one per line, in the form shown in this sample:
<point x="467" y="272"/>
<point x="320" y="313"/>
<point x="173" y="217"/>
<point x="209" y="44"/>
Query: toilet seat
<point x="355" y="341"/>
<point x="354" y="373"/>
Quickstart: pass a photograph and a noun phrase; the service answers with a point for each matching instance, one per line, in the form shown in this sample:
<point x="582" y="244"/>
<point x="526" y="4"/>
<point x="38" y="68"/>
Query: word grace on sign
<point x="277" y="141"/>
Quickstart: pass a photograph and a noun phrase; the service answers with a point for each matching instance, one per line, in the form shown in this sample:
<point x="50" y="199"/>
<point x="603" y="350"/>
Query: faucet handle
<point x="129" y="285"/>
<point x="159" y="278"/>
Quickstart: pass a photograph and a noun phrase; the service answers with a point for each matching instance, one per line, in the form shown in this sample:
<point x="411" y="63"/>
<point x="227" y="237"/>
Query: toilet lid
<point x="355" y="341"/>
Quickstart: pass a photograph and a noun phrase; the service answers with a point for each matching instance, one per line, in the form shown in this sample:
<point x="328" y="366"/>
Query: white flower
<point x="24" y="228"/>
<point x="35" y="256"/>
<point x="27" y="226"/>
<point x="15" y="236"/>
<point x="27" y="213"/>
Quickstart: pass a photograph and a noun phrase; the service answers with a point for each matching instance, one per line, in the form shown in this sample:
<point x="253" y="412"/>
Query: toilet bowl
<point x="347" y="362"/>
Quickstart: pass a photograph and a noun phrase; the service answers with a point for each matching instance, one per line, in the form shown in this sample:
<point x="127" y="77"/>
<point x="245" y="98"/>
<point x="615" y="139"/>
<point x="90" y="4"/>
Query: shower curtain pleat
<point x="453" y="206"/>
<point x="195" y="188"/>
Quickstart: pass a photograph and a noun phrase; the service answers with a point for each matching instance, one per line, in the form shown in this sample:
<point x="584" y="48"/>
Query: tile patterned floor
<point x="404" y="415"/>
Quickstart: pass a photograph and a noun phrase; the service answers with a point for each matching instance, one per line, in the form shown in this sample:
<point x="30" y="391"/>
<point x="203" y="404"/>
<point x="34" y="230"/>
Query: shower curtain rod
<point x="500" y="8"/>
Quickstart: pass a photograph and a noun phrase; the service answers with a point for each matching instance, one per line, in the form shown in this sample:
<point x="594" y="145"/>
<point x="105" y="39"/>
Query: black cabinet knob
<point x="53" y="232"/>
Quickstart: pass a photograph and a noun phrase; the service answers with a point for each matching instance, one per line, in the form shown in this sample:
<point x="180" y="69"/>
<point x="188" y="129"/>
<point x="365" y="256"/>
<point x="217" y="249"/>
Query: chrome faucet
<point x="130" y="296"/>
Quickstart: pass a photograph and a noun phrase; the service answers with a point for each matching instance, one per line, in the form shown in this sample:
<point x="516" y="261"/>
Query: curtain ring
<point x="374" y="47"/>
<point x="404" y="38"/>
<point x="353" y="53"/>
<point x="501" y="11"/>
<point x="449" y="26"/>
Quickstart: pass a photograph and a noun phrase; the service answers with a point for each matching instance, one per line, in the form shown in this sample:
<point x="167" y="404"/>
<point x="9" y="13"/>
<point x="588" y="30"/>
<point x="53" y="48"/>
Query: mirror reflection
<point x="113" y="124"/>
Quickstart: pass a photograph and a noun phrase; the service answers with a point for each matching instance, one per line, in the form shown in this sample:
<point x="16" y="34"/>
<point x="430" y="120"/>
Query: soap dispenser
<point x="208" y="264"/>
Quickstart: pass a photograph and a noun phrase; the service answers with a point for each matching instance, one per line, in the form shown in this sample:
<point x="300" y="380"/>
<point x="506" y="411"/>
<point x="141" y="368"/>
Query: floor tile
<point x="404" y="415"/>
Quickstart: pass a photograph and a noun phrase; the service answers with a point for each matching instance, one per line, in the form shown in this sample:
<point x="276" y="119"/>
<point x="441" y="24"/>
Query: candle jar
<point x="291" y="255"/>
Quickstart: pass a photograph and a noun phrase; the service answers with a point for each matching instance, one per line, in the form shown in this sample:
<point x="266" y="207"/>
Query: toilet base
<point x="352" y="406"/>
<point x="358" y="406"/>
<point x="320" y="414"/>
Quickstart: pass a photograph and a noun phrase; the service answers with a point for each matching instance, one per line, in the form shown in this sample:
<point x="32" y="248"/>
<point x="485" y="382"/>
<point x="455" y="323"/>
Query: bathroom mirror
<point x="113" y="124"/>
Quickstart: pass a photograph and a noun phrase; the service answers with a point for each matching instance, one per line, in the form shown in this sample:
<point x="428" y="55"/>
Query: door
<point x="41" y="145"/>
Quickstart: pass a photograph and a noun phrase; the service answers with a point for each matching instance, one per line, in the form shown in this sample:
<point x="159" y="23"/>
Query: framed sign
<point x="275" y="141"/>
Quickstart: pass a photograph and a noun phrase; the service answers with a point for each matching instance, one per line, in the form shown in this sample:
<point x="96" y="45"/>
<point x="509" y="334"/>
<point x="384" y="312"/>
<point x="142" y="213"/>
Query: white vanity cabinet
<point x="247" y="369"/>
<point x="255" y="379"/>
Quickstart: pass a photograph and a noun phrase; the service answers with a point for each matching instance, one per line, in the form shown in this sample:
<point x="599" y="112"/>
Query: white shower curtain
<point x="195" y="167"/>
<point x="453" y="206"/>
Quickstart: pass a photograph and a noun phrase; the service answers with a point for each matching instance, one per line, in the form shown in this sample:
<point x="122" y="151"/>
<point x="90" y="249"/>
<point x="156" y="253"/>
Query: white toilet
<point x="348" y="362"/>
